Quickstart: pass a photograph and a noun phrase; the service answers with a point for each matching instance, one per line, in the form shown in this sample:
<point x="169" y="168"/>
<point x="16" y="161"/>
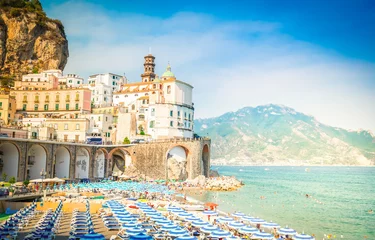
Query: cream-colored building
<point x="162" y="108"/>
<point x="7" y="109"/>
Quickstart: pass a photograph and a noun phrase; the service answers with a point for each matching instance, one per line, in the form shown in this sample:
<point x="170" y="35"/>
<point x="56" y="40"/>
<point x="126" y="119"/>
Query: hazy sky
<point x="315" y="56"/>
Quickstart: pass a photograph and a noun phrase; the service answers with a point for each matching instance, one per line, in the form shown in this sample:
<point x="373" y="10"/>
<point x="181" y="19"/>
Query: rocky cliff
<point x="279" y="135"/>
<point x="29" y="41"/>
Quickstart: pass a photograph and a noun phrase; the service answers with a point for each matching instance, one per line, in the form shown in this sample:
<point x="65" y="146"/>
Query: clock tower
<point x="149" y="69"/>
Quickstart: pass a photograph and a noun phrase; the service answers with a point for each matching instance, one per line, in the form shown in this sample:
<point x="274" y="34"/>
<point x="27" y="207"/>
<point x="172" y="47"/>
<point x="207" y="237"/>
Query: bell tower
<point x="149" y="69"/>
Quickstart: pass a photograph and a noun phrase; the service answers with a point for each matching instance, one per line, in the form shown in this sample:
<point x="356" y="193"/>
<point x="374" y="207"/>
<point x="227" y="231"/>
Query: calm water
<point x="346" y="194"/>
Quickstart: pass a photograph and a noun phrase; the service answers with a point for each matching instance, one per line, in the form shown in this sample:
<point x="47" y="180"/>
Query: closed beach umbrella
<point x="199" y="223"/>
<point x="209" y="228"/>
<point x="210" y="212"/>
<point x="177" y="232"/>
<point x="238" y="214"/>
<point x="220" y="234"/>
<point x="140" y="236"/>
<point x="236" y="225"/>
<point x="287" y="231"/>
<point x="303" y="237"/>
<point x="262" y="235"/>
<point x="225" y="219"/>
<point x="270" y="225"/>
<point x="248" y="230"/>
<point x="186" y="237"/>
<point x="257" y="221"/>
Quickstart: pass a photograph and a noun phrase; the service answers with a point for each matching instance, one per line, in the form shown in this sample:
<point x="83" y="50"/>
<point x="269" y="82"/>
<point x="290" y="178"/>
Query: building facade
<point x="7" y="109"/>
<point x="159" y="108"/>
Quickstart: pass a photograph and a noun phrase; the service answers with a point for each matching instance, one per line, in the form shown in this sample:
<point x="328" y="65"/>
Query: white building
<point x="71" y="80"/>
<point x="160" y="108"/>
<point x="102" y="87"/>
<point x="43" y="76"/>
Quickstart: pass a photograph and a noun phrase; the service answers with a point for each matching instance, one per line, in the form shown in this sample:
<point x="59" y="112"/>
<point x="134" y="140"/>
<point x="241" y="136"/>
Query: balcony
<point x="57" y="100"/>
<point x="36" y="101"/>
<point x="77" y="99"/>
<point x="24" y="101"/>
<point x="46" y="101"/>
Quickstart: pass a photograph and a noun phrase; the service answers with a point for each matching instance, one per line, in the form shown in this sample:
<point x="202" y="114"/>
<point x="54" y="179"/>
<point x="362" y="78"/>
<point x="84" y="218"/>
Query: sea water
<point x="338" y="203"/>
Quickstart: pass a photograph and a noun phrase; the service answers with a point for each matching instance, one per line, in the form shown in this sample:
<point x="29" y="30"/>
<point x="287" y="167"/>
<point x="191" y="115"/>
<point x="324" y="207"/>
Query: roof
<point x="168" y="72"/>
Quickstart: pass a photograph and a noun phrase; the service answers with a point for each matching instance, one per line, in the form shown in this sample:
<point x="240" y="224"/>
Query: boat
<point x="307" y="169"/>
<point x="241" y="170"/>
<point x="266" y="169"/>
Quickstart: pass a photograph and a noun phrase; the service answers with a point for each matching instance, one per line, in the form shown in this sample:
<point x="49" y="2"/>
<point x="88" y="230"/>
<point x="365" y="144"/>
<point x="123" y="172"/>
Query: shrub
<point x="12" y="180"/>
<point x="142" y="132"/>
<point x="26" y="182"/>
<point x="126" y="140"/>
<point x="14" y="12"/>
<point x="35" y="70"/>
<point x="4" y="177"/>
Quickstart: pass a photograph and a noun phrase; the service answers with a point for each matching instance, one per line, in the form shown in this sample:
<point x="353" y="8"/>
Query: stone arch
<point x="119" y="159"/>
<point x="10" y="156"/>
<point x="36" y="161"/>
<point x="62" y="162"/>
<point x="177" y="163"/>
<point x="82" y="163"/>
<point x="99" y="163"/>
<point x="205" y="161"/>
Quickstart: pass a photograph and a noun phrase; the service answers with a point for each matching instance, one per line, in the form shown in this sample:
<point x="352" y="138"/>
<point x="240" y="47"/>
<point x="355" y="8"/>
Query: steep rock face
<point x="278" y="135"/>
<point x="29" y="45"/>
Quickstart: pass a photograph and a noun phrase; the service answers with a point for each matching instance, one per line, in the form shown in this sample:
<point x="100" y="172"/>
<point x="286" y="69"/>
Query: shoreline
<point x="365" y="166"/>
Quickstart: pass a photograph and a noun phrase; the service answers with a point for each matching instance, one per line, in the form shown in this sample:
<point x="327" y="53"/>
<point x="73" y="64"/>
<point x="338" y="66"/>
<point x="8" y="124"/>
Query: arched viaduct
<point x="25" y="159"/>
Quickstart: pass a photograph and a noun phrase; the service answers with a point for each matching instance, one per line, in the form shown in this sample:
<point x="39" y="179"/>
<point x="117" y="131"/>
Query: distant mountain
<point x="279" y="135"/>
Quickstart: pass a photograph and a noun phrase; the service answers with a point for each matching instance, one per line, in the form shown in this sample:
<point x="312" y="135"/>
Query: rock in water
<point x="29" y="41"/>
<point x="214" y="173"/>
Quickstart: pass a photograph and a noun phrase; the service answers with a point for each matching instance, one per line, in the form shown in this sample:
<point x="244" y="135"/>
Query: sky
<point x="315" y="56"/>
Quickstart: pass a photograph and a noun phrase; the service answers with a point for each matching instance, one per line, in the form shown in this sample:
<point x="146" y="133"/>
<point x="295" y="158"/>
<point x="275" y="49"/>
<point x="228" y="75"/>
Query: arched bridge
<point x="172" y="159"/>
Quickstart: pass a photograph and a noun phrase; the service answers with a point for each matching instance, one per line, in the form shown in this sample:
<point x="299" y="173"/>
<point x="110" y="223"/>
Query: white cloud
<point x="230" y="64"/>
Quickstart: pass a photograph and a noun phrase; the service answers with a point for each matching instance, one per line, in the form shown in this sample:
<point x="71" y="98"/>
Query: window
<point x="55" y="126"/>
<point x="99" y="118"/>
<point x="189" y="116"/>
<point x="171" y="113"/>
<point x="45" y="107"/>
<point x="78" y="82"/>
<point x="143" y="101"/>
<point x="66" y="126"/>
<point x="171" y="123"/>
<point x="67" y="98"/>
<point x="136" y="95"/>
<point x="107" y="134"/>
<point x="113" y="77"/>
<point x="77" y="96"/>
<point x="24" y="107"/>
<point x="36" y="99"/>
<point x="1" y="104"/>
<point x="77" y="126"/>
<point x="126" y="95"/>
<point x="168" y="89"/>
<point x="178" y="113"/>
<point x="36" y="107"/>
<point x="77" y="106"/>
<point x="67" y="106"/>
<point x="47" y="98"/>
<point x="113" y="83"/>
<point x="25" y="98"/>
<point x="70" y="81"/>
<point x="9" y="115"/>
<point x="106" y="119"/>
<point x="152" y="123"/>
<point x="185" y="115"/>
<point x="133" y="107"/>
<point x="56" y="106"/>
<point x="57" y="98"/>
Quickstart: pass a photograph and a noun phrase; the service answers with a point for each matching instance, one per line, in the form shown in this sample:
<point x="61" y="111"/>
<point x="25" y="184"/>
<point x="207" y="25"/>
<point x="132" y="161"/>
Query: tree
<point x="4" y="177"/>
<point x="12" y="180"/>
<point x="26" y="182"/>
<point x="126" y="140"/>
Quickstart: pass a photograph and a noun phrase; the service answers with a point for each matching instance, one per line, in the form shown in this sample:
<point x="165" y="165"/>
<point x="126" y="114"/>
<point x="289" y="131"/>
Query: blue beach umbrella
<point x="210" y="212"/>
<point x="162" y="222"/>
<point x="303" y="237"/>
<point x="168" y="227"/>
<point x="236" y="225"/>
<point x="257" y="221"/>
<point x="186" y="237"/>
<point x="177" y="232"/>
<point x="209" y="228"/>
<point x="248" y="230"/>
<point x="262" y="235"/>
<point x="140" y="236"/>
<point x="225" y="219"/>
<point x="238" y="214"/>
<point x="270" y="225"/>
<point x="92" y="236"/>
<point x="287" y="231"/>
<point x="199" y="223"/>
<point x="177" y="210"/>
<point x="157" y="217"/>
<point x="191" y="219"/>
<point x="185" y="214"/>
<point x="134" y="231"/>
<point x="220" y="234"/>
<point x="130" y="225"/>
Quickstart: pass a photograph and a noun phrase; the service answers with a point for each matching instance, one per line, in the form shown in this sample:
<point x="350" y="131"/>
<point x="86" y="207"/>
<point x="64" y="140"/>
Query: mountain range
<point x="279" y="135"/>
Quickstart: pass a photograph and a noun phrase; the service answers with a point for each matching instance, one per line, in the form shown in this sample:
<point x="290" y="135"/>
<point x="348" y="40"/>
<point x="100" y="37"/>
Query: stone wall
<point x="149" y="158"/>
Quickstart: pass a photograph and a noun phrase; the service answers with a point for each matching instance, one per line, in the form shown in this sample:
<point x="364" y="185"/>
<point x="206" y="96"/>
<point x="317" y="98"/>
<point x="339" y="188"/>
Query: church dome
<point x="168" y="73"/>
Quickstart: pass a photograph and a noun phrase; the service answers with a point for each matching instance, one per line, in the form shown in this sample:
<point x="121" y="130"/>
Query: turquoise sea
<point x="340" y="198"/>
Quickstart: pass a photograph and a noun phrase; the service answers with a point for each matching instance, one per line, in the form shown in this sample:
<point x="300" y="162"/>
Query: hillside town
<point x="104" y="109"/>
